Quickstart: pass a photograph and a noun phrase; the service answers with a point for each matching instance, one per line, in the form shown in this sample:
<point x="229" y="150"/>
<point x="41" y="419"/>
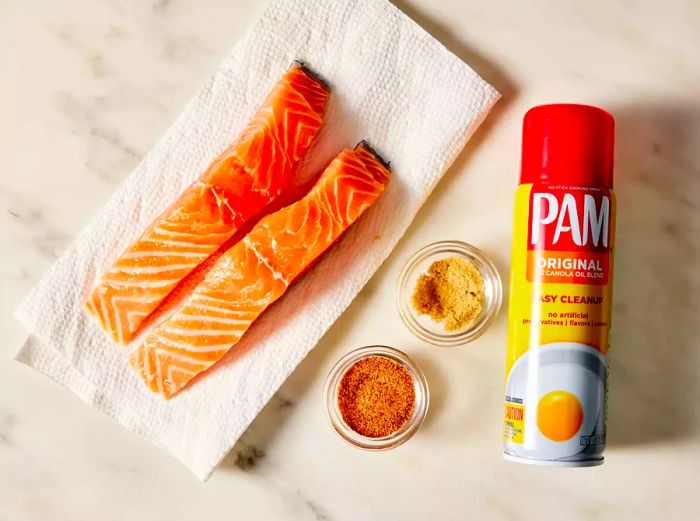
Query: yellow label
<point x="514" y="423"/>
<point x="560" y="299"/>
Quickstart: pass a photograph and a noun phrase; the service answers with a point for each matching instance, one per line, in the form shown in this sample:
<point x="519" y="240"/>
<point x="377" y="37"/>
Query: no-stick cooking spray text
<point x="561" y="289"/>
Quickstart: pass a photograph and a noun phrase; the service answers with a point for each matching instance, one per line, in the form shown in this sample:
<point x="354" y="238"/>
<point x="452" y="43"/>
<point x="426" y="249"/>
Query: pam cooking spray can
<point x="561" y="289"/>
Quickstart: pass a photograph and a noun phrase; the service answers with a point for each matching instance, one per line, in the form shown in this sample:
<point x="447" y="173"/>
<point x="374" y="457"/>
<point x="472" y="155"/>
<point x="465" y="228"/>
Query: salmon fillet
<point x="257" y="271"/>
<point x="247" y="176"/>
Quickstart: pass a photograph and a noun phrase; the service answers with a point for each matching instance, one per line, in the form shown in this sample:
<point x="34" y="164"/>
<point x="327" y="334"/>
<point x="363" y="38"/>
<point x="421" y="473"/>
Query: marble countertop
<point x="88" y="86"/>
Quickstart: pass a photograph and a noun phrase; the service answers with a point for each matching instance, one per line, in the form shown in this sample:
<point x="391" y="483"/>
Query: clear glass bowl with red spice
<point x="426" y="328"/>
<point x="412" y="421"/>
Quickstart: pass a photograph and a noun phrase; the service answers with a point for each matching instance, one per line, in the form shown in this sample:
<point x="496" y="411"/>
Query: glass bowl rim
<point x="394" y="439"/>
<point x="488" y="271"/>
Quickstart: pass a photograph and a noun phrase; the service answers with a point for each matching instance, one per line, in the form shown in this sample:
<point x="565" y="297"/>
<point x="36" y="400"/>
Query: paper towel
<point x="393" y="84"/>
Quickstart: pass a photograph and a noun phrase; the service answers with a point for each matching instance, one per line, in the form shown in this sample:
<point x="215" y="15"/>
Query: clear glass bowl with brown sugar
<point x="422" y="325"/>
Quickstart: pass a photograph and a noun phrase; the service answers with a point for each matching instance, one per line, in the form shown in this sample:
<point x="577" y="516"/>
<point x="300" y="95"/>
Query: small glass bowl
<point x="412" y="424"/>
<point x="425" y="327"/>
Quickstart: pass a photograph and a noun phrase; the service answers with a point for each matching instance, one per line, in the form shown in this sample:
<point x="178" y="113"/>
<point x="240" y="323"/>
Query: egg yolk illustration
<point x="559" y="415"/>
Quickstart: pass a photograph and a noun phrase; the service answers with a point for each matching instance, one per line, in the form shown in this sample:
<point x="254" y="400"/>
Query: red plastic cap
<point x="566" y="144"/>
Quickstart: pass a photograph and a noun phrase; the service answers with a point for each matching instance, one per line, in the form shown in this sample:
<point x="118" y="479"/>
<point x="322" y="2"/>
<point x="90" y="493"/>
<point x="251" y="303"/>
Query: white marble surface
<point x="87" y="87"/>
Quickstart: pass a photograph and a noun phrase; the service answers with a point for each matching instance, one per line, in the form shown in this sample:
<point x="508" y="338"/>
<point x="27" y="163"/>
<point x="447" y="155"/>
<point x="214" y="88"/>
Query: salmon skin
<point x="257" y="271"/>
<point x="253" y="171"/>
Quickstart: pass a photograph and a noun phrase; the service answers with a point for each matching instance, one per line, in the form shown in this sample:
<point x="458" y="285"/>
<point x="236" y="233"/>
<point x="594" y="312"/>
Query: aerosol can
<point x="561" y="289"/>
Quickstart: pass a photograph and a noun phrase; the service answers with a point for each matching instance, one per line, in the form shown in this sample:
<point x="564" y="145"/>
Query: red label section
<point x="569" y="219"/>
<point x="569" y="234"/>
<point x="568" y="267"/>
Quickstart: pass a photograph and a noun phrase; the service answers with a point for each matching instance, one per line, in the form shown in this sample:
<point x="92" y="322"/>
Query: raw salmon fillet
<point x="256" y="272"/>
<point x="247" y="176"/>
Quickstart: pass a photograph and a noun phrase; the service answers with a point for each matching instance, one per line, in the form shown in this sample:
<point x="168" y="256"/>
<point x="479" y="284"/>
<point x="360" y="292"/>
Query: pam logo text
<point x="569" y="221"/>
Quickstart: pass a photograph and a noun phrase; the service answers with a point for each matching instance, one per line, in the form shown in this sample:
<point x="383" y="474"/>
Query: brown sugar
<point x="451" y="292"/>
<point x="376" y="396"/>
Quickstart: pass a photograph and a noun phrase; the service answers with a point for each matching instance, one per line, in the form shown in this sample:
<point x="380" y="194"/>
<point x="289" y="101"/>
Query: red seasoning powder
<point x="376" y="396"/>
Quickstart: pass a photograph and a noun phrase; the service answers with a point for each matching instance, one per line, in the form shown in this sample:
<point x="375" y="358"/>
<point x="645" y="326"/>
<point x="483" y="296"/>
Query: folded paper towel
<point x="393" y="84"/>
